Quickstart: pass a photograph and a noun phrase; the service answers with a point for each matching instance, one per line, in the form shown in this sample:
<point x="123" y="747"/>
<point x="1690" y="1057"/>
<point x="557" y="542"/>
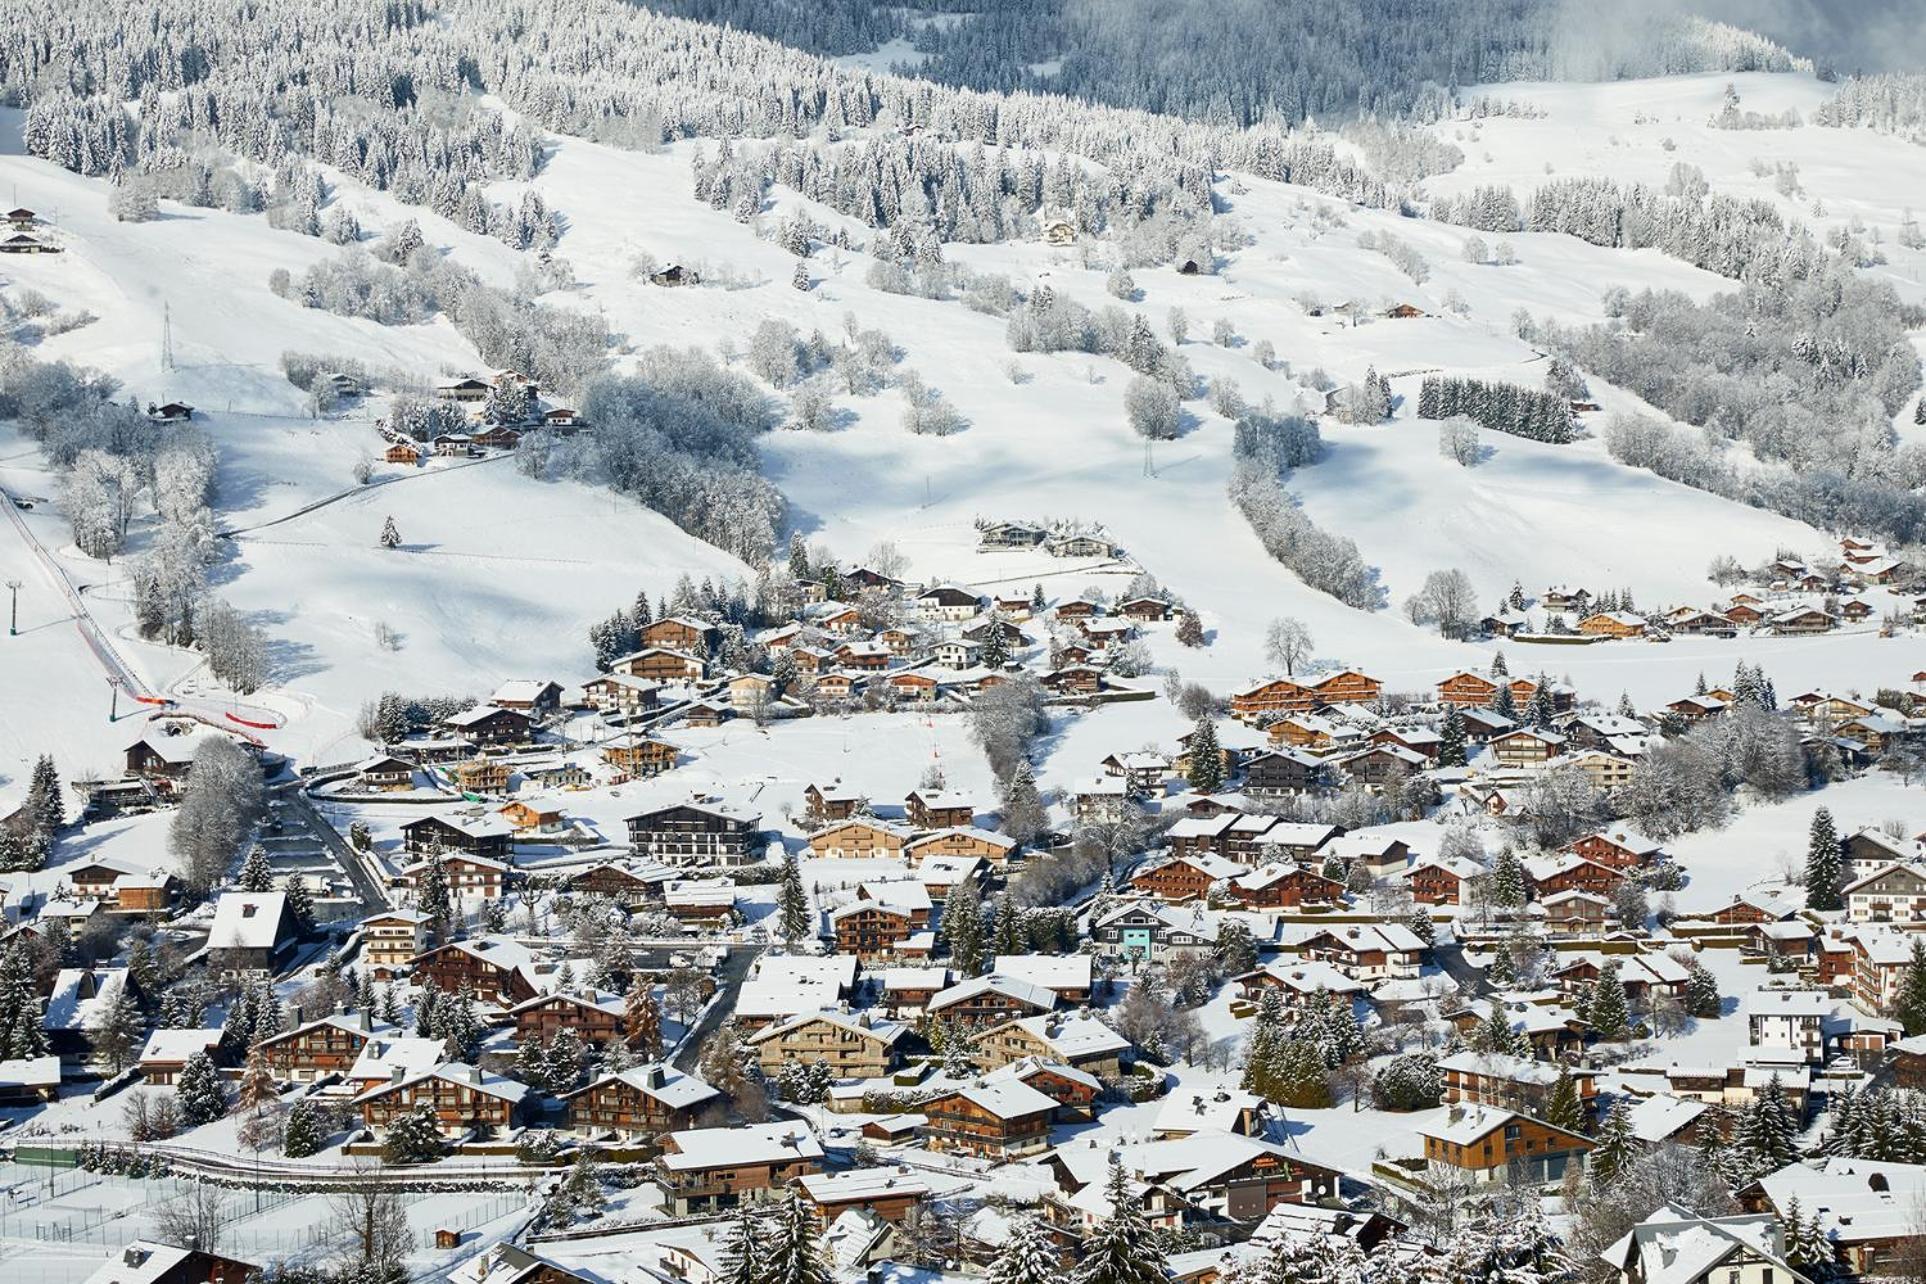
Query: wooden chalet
<point x="642" y="1101"/>
<point x="696" y="833"/>
<point x="466" y="1100"/>
<point x="853" y="1045"/>
<point x="640" y="757"/>
<point x="596" y="1018"/>
<point x="495" y="969"/>
<point x="487" y="725"/>
<point x="1000" y="1121"/>
<point x="704" y="1170"/>
<point x="1487" y="1144"/>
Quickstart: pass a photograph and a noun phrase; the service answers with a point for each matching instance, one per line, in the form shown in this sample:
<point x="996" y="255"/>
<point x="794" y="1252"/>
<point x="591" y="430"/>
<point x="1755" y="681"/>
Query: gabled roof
<point x="247" y="921"/>
<point x="861" y="1024"/>
<point x="461" y="1074"/>
<point x="1027" y="992"/>
<point x="659" y="1080"/>
<point x="694" y="1149"/>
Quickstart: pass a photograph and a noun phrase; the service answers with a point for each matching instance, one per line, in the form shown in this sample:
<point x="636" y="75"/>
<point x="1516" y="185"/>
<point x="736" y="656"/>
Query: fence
<point x="95" y="1213"/>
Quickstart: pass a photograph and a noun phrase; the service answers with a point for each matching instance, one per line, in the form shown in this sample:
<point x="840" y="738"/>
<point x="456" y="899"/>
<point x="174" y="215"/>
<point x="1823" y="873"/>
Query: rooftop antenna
<point x="167" y="337"/>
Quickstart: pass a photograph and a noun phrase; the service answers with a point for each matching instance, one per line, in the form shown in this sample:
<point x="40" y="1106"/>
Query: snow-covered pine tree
<point x="1806" y="1245"/>
<point x="1702" y="997"/>
<point x="116" y="1034"/>
<point x="43" y="805"/>
<point x="414" y="1137"/>
<point x="307" y="1130"/>
<point x="390" y="534"/>
<point x="1028" y="1256"/>
<point x="300" y="904"/>
<point x="963" y="930"/>
<point x="792" y="902"/>
<point x="1451" y="738"/>
<point x="791" y="1254"/>
<point x="1825" y="871"/>
<point x="1123" y="1248"/>
<point x="198" y="1093"/>
<point x="1206" y="759"/>
<point x="1504" y="703"/>
<point x="1616" y="1144"/>
<point x="1609" y="1012"/>
<point x="21" y="1034"/>
<point x="1565" y="1110"/>
<point x="256" y="874"/>
<point x="1909" y="1004"/>
<point x="1510" y="888"/>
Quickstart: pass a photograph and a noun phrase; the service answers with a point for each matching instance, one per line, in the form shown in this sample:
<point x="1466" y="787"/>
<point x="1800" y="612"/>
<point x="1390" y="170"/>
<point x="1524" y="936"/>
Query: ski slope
<point x="500" y="575"/>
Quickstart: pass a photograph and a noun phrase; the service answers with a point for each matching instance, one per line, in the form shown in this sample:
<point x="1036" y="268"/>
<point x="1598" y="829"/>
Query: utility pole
<point x="167" y="337"/>
<point x="113" y="700"/>
<point x="13" y="608"/>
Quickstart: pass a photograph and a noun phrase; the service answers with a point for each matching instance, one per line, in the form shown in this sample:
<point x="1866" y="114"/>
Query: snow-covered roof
<point x="1028" y="992"/>
<point x="742" y="1146"/>
<point x="411" y="1054"/>
<point x="838" y="970"/>
<point x="1662" y="1115"/>
<point x="247" y="920"/>
<point x="1007" y="1099"/>
<point x="178" y="1045"/>
<point x="1676" y="1246"/>
<point x="1205" y="1110"/>
<point x="860" y="1024"/>
<point x="664" y="1083"/>
<point x="521" y="691"/>
<point x="1074" y="1037"/>
<point x="1788" y="1003"/>
<point x="472" y="1078"/>
<point x="1051" y="971"/>
<point x="68" y="1011"/>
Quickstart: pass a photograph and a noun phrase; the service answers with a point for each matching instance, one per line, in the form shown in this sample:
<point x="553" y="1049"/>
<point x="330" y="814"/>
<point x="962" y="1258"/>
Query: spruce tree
<point x="1806" y="1245"/>
<point x="1499" y="669"/>
<point x="1205" y="768"/>
<point x="1123" y="1248"/>
<point x="198" y="1092"/>
<point x="1565" y="1110"/>
<point x="742" y="1248"/>
<point x="432" y="896"/>
<point x="1262" y="1048"/>
<point x="256" y="874"/>
<point x="1610" y="1014"/>
<point x="306" y="1132"/>
<point x="579" y="1195"/>
<point x="1505" y="704"/>
<point x="1028" y="1256"/>
<point x="21" y="1033"/>
<point x="300" y="904"/>
<point x="963" y="929"/>
<point x="1702" y="997"/>
<point x="45" y="810"/>
<point x="116" y="1034"/>
<point x="1509" y="885"/>
<point x="414" y="1137"/>
<point x="1825" y="872"/>
<point x="1615" y="1146"/>
<point x="1909" y="1004"/>
<point x="792" y="902"/>
<point x="1543" y="710"/>
<point x="390" y="534"/>
<point x="1451" y="738"/>
<point x="792" y="1255"/>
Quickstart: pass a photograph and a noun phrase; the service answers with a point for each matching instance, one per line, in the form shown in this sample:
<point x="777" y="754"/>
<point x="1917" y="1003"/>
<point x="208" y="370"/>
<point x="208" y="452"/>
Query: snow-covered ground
<point x="499" y="575"/>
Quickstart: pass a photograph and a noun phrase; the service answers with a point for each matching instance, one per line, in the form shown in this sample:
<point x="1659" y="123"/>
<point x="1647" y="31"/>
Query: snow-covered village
<point x="1089" y="642"/>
